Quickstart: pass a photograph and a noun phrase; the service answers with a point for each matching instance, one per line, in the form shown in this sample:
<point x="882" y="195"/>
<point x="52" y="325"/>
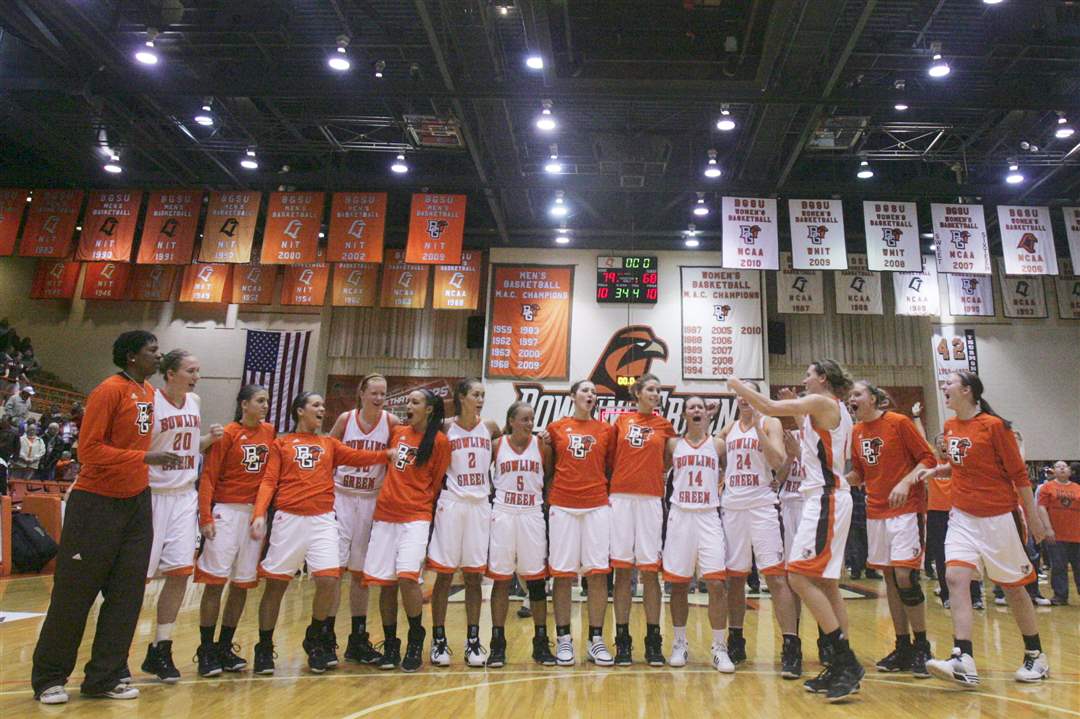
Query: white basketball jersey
<point x="363" y="480"/>
<point x="789" y="490"/>
<point x="176" y="430"/>
<point x="470" y="457"/>
<point x="824" y="453"/>
<point x="747" y="479"/>
<point x="519" y="478"/>
<point x="695" y="483"/>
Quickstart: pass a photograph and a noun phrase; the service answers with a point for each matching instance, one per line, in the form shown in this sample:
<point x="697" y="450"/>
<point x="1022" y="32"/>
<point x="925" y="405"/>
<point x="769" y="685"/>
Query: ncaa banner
<point x="253" y="284"/>
<point x="530" y="314"/>
<point x="206" y="283"/>
<point x="970" y="295"/>
<point x="892" y="236"/>
<point x="357" y="224"/>
<point x="436" y="229"/>
<point x="109" y="226"/>
<point x="1072" y="232"/>
<point x="749" y="232"/>
<point x="355" y="284"/>
<point x="953" y="350"/>
<point x="457" y="287"/>
<point x="1068" y="293"/>
<point x="1027" y="240"/>
<point x="1022" y="297"/>
<point x="106" y="281"/>
<point x="858" y="291"/>
<point x="403" y="284"/>
<point x="817" y="234"/>
<point x="799" y="292"/>
<point x="50" y="223"/>
<point x="168" y="235"/>
<point x="54" y="280"/>
<point x="229" y="229"/>
<point x="153" y="283"/>
<point x="721" y="324"/>
<point x="917" y="293"/>
<point x="960" y="237"/>
<point x="12" y="204"/>
<point x="291" y="233"/>
<point x="305" y="285"/>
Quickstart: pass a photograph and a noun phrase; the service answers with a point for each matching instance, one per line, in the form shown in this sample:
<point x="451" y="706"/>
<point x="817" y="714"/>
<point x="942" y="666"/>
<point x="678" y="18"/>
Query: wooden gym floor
<point x="522" y="690"/>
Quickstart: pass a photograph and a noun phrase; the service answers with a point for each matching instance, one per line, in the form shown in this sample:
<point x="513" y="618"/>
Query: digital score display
<point x="632" y="278"/>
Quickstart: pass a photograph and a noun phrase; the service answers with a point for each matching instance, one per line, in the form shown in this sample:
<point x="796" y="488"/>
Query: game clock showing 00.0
<point x="626" y="279"/>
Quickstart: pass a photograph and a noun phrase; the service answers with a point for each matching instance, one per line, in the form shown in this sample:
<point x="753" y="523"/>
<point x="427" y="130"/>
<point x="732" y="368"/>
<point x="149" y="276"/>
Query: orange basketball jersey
<point x="638" y="464"/>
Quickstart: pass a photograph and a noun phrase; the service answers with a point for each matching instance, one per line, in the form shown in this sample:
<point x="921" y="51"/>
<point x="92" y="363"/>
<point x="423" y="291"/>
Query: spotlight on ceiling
<point x="147" y="54"/>
<point x="378" y="67"/>
<point x="1015" y="177"/>
<point x="690" y="234"/>
<point x="339" y="59"/>
<point x="113" y="165"/>
<point x="864" y="173"/>
<point x="562" y="238"/>
<point x="553" y="166"/>
<point x="399" y="166"/>
<point x="1064" y="129"/>
<point x="700" y="208"/>
<point x="726" y="123"/>
<point x="558" y="209"/>
<point x="249" y="162"/>
<point x="546" y="121"/>
<point x="993" y="2"/>
<point x="938" y="67"/>
<point x="534" y="62"/>
<point x="205" y="119"/>
<point x="712" y="169"/>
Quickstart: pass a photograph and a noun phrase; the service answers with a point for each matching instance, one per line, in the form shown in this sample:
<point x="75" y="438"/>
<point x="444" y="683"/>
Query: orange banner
<point x="54" y="280"/>
<point x="12" y="204"/>
<point x="355" y="285"/>
<point x="108" y="229"/>
<point x="50" y="223"/>
<point x="457" y="287"/>
<point x="168" y="236"/>
<point x="206" y="283"/>
<point x="253" y="284"/>
<point x="529" y="332"/>
<point x="436" y="229"/>
<point x="153" y="283"/>
<point x="403" y="285"/>
<point x="306" y="284"/>
<point x="291" y="234"/>
<point x="357" y="223"/>
<point x="106" y="281"/>
<point x="229" y="229"/>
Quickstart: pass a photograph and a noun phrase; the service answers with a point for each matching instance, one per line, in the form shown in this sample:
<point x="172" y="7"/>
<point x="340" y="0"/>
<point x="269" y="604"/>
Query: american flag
<point x="276" y="361"/>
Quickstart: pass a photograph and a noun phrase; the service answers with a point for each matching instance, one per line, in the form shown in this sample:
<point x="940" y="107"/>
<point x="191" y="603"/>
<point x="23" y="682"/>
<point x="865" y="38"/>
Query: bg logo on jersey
<point x="307" y="455"/>
<point x="405" y="456"/>
<point x="958" y="447"/>
<point x="871" y="449"/>
<point x="638" y="435"/>
<point x="580" y="445"/>
<point x="145" y="416"/>
<point x="254" y="457"/>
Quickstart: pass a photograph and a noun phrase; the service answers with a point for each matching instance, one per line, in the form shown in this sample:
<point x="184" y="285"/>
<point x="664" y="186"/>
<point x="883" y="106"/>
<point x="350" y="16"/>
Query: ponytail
<point x="882" y="400"/>
<point x="461" y="390"/>
<point x="837" y="379"/>
<point x="511" y="413"/>
<point x="435" y="425"/>
<point x="971" y="381"/>
<point x="246" y="392"/>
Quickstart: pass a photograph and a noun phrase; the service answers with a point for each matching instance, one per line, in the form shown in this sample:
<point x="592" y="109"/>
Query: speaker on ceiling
<point x="474" y="332"/>
<point x="777" y="338"/>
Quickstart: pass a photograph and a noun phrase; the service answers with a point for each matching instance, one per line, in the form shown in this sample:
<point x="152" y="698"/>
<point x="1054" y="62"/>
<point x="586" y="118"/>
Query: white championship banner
<point x="721" y="323"/>
<point x="799" y="292"/>
<point x="749" y="234"/>
<point x="892" y="236"/>
<point x="960" y="237"/>
<point x="953" y="350"/>
<point x="1022" y="297"/>
<point x="1072" y="232"/>
<point x="917" y="293"/>
<point x="1068" y="293"/>
<point x="970" y="295"/>
<point x="817" y="234"/>
<point x="1027" y="240"/>
<point x="858" y="291"/>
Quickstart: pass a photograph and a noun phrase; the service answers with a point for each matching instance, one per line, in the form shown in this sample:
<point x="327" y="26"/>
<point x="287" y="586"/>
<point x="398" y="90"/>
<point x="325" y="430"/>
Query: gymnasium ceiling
<point x="636" y="86"/>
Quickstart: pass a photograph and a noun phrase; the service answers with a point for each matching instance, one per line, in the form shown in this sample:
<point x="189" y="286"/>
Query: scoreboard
<point x="632" y="278"/>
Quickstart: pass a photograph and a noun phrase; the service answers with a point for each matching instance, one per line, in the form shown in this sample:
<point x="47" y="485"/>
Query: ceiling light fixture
<point x="864" y="173"/>
<point x="379" y="66"/>
<point x="712" y="170"/>
<point x="553" y="166"/>
<point x="726" y="123"/>
<point x="147" y="55"/>
<point x="562" y="238"/>
<point x="691" y="236"/>
<point x="249" y="162"/>
<point x="534" y="62"/>
<point x="1015" y="177"/>
<point x="558" y="209"/>
<point x="546" y="121"/>
<point x="204" y="119"/>
<point x="504" y="9"/>
<point x="206" y="104"/>
<point x="900" y="86"/>
<point x="938" y="67"/>
<point x="993" y="2"/>
<point x="399" y="166"/>
<point x="113" y="165"/>
<point x="339" y="59"/>
<point x="900" y="107"/>
<point x="700" y="208"/>
<point x="933" y="247"/>
<point x="1064" y="129"/>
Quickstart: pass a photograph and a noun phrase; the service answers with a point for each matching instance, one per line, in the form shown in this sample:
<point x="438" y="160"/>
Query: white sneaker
<point x="564" y="651"/>
<point x="959" y="669"/>
<point x="475" y="654"/>
<point x="1041" y="601"/>
<point x="680" y="653"/>
<point x="121" y="691"/>
<point x="1036" y="667"/>
<point x="54" y="695"/>
<point x="599" y="654"/>
<point x="720" y="660"/>
<point x="440" y="653"/>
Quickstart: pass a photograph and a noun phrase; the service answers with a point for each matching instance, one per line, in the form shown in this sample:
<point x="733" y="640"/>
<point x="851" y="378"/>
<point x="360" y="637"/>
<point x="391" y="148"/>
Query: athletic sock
<point x="717" y="636"/>
<point x="903" y="640"/>
<point x="920" y="638"/>
<point x="206" y="634"/>
<point x="680" y="633"/>
<point x="438" y="632"/>
<point x="316" y="627"/>
<point x="474" y="632"/>
<point x="266" y="636"/>
<point x="415" y="623"/>
<point x="621" y="630"/>
<point x="497" y="633"/>
<point x="652" y="630"/>
<point x="790" y="638"/>
<point x="540" y="631"/>
<point x="734" y="633"/>
<point x="596" y="632"/>
<point x="562" y="630"/>
<point x="389" y="631"/>
<point x="964" y="645"/>
<point x="839" y="641"/>
<point x="226" y="635"/>
<point x="1032" y="643"/>
<point x="359" y="623"/>
<point x="329" y="621"/>
<point x="163" y="632"/>
<point x="820" y="632"/>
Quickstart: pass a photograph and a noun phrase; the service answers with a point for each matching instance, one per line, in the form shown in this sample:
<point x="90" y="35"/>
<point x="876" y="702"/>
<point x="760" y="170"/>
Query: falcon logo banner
<point x="858" y="291"/>
<point x="106" y="281"/>
<point x="1027" y="240"/>
<point x="436" y="229"/>
<point x="892" y="236"/>
<point x="1072" y="232"/>
<point x="50" y="223"/>
<point x="54" y="280"/>
<point x="799" y="291"/>
<point x="403" y="284"/>
<point x="229" y="229"/>
<point x="206" y="283"/>
<point x="153" y="283"/>
<point x="916" y="293"/>
<point x="457" y="287"/>
<point x="305" y="285"/>
<point x="355" y="285"/>
<point x="357" y="225"/>
<point x="253" y="284"/>
<point x="12" y="204"/>
<point x="109" y="226"/>
<point x="168" y="236"/>
<point x="749" y="233"/>
<point x="291" y="233"/>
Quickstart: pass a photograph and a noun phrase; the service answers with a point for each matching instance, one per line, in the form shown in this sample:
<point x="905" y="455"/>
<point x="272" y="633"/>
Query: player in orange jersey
<point x="232" y="473"/>
<point x="887" y="452"/>
<point x="637" y="515"/>
<point x="299" y="479"/>
<point x="989" y="481"/>
<point x="1059" y="507"/>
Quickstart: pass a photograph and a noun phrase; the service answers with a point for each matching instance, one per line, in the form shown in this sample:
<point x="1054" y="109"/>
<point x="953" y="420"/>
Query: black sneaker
<point x="230" y="660"/>
<point x="414" y="650"/>
<point x="390" y="658"/>
<point x="654" y="651"/>
<point x="264" y="658"/>
<point x="736" y="649"/>
<point x="360" y="651"/>
<point x="497" y="653"/>
<point x="524" y="612"/>
<point x="209" y="660"/>
<point x="624" y="649"/>
<point x="125" y="675"/>
<point x="845" y="679"/>
<point x="315" y="648"/>
<point x="791" y="658"/>
<point x="330" y="647"/>
<point x="824" y="651"/>
<point x="159" y="662"/>
<point x="820" y="683"/>
<point x="542" y="652"/>
<point x="920" y="655"/>
<point x="898" y="660"/>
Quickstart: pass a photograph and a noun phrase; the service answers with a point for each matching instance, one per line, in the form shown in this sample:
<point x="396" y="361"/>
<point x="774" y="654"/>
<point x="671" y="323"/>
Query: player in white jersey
<point x="754" y="446"/>
<point x="789" y="478"/>
<point x="460" y="537"/>
<point x="817" y="552"/>
<point x="522" y="467"/>
<point x="174" y="501"/>
<point x="355" y="491"/>
<point x="694" y="541"/>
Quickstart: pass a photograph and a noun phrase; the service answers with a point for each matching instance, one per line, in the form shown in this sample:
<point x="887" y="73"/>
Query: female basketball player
<point x="420" y="456"/>
<point x="355" y="490"/>
<point x="228" y="487"/>
<point x="174" y="499"/>
<point x="695" y="536"/>
<point x="989" y="481"/>
<point x="755" y="446"/>
<point x="460" y="539"/>
<point x="817" y="553"/>
<point x="579" y="521"/>
<point x="637" y="516"/>
<point x="299" y="479"/>
<point x="518" y="530"/>
<point x="887" y="453"/>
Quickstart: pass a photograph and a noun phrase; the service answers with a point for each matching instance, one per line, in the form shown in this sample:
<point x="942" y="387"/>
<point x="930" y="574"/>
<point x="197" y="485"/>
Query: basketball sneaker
<point x="330" y="646"/>
<point x="414" y="650"/>
<point x="230" y="660"/>
<point x="542" y="655"/>
<point x="898" y="660"/>
<point x="599" y="654"/>
<point x="475" y="654"/>
<point x="624" y="649"/>
<point x="680" y="653"/>
<point x="824" y="651"/>
<point x="846" y="677"/>
<point x="721" y="661"/>
<point x="159" y="662"/>
<point x="920" y="655"/>
<point x="654" y="650"/>
<point x="820" y="683"/>
<point x="958" y="668"/>
<point x="54" y="695"/>
<point x="791" y="658"/>
<point x="497" y="657"/>
<point x="209" y="660"/>
<point x="264" y="658"/>
<point x="440" y="652"/>
<point x="391" y="654"/>
<point x="1035" y="668"/>
<point x="125" y="674"/>
<point x="120" y="691"/>
<point x="315" y="648"/>
<point x="736" y="649"/>
<point x="564" y="651"/>
<point x="360" y="651"/>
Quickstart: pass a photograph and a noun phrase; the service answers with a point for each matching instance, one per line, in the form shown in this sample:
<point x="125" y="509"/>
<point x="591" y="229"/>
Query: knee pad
<point x="537" y="592"/>
<point x="911" y="596"/>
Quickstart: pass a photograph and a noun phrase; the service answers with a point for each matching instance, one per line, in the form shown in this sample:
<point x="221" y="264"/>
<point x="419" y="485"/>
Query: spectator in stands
<point x="77" y="416"/>
<point x="17" y="406"/>
<point x="53" y="448"/>
<point x="30" y="364"/>
<point x="9" y="440"/>
<point x="14" y="369"/>
<point x="31" y="450"/>
<point x="65" y="469"/>
<point x="52" y="414"/>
